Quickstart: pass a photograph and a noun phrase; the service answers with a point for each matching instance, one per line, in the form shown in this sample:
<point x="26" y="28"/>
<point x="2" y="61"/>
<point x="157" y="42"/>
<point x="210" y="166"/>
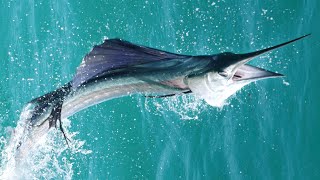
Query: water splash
<point x="49" y="158"/>
<point x="191" y="109"/>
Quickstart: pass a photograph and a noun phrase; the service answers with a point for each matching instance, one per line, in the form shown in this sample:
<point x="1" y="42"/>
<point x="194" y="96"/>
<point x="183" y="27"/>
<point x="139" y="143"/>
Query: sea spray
<point x="49" y="158"/>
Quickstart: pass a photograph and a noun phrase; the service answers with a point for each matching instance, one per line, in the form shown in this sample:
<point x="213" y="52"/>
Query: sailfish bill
<point x="260" y="52"/>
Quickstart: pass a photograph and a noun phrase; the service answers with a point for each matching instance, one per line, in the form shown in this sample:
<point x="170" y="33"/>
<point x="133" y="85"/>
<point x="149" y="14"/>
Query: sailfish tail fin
<point x="47" y="109"/>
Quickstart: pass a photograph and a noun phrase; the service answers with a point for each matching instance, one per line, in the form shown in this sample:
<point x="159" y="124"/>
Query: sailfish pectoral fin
<point x="160" y="96"/>
<point x="168" y="95"/>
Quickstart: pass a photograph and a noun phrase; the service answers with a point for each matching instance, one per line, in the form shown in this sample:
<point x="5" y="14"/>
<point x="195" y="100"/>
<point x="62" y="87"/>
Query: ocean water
<point x="268" y="130"/>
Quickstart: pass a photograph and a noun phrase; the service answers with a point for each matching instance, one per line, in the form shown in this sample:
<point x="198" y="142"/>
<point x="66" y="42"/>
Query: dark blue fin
<point x="53" y="102"/>
<point x="167" y="95"/>
<point x="116" y="54"/>
<point x="161" y="96"/>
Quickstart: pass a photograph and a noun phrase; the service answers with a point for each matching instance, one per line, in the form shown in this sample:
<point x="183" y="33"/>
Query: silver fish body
<point x="118" y="68"/>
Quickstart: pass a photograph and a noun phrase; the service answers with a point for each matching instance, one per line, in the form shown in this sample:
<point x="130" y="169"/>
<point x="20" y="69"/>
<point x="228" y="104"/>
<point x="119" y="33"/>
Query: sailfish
<point x="119" y="68"/>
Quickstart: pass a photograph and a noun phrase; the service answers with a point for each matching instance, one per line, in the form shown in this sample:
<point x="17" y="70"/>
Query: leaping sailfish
<point x="119" y="68"/>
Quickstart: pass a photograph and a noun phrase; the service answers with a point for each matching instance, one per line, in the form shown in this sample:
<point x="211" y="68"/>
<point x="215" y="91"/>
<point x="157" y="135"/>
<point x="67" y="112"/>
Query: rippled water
<point x="270" y="129"/>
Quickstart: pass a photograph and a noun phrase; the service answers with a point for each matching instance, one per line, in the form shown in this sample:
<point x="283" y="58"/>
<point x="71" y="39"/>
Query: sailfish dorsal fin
<point x="115" y="54"/>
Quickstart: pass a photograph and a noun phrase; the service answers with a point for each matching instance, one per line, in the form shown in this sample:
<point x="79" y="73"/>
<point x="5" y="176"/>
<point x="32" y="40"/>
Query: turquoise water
<point x="269" y="130"/>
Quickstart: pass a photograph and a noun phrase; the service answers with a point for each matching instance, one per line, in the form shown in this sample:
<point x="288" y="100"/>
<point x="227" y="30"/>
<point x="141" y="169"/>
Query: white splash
<point x="45" y="160"/>
<point x="185" y="106"/>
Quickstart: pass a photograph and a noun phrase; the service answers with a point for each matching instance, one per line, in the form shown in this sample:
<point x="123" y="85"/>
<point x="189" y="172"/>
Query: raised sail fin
<point x="116" y="54"/>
